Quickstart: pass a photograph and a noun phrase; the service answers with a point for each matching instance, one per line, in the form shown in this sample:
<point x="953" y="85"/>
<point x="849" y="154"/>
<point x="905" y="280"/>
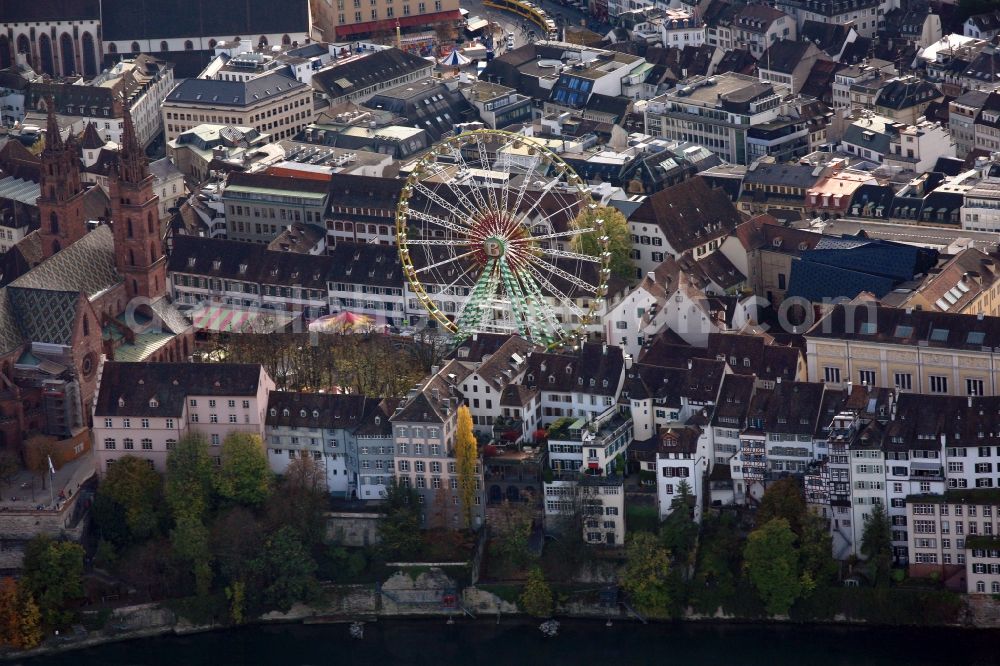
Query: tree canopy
<point x="53" y="575"/>
<point x="244" y="476"/>
<point x="619" y="239"/>
<point x="772" y="565"/>
<point x="138" y="490"/>
<point x="646" y="575"/>
<point x="466" y="457"/>
<point x="876" y="545"/>
<point x="536" y="599"/>
<point x="783" y="499"/>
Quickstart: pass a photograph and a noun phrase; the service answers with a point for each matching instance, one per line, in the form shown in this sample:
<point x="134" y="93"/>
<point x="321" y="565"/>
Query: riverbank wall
<point x="423" y="594"/>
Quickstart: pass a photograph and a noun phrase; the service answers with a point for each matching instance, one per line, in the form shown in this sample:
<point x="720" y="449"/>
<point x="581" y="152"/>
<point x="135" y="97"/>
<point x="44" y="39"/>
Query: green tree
<point x="615" y="227"/>
<point x="285" y="570"/>
<point x="679" y="532"/>
<point x="189" y="496"/>
<point x="244" y="477"/>
<point x="466" y="457"/>
<point x="133" y="485"/>
<point x="772" y="565"/>
<point x="536" y="598"/>
<point x="646" y="575"/>
<point x="876" y="545"/>
<point x="399" y="529"/>
<point x="189" y="477"/>
<point x="783" y="499"/>
<point x="53" y="576"/>
<point x="819" y="569"/>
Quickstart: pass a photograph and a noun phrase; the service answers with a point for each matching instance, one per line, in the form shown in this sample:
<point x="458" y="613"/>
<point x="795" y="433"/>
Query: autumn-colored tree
<point x="53" y="575"/>
<point x="615" y="227"/>
<point x="646" y="575"/>
<point x="20" y="619"/>
<point x="466" y="457"/>
<point x="536" y="599"/>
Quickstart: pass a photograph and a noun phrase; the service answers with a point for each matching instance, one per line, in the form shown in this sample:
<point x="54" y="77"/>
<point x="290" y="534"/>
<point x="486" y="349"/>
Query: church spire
<point x="53" y="139"/>
<point x="131" y="158"/>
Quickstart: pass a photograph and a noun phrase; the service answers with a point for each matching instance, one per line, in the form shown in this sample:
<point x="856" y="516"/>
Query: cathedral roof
<point x="87" y="265"/>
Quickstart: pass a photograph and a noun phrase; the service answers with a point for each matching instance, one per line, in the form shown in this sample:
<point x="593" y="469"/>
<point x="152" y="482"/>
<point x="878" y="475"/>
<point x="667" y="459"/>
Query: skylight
<point x="903" y="331"/>
<point x="975" y="338"/>
<point x="939" y="335"/>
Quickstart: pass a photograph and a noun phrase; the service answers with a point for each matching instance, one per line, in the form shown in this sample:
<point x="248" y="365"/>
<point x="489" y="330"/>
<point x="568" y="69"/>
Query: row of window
<point x="904" y="381"/>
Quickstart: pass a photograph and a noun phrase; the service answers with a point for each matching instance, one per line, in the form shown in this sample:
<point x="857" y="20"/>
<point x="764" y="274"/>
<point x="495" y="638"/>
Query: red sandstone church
<point x="95" y="293"/>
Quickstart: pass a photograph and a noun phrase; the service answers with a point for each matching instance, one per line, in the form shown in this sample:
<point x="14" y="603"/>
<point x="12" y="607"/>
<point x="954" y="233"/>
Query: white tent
<point x="454" y="59"/>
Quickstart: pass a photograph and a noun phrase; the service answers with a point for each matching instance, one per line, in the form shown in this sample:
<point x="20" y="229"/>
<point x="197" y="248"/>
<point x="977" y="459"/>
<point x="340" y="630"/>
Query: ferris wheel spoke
<point x="525" y="182"/>
<point x="487" y="165"/>
<point x="562" y="299"/>
<point x="568" y="277"/>
<point x="476" y="309"/>
<point x="438" y="241"/>
<point x="445" y="262"/>
<point x="543" y="313"/>
<point x="481" y="203"/>
<point x="437" y="199"/>
<point x="556" y="234"/>
<point x="547" y="219"/>
<point x="566" y="254"/>
<point x="471" y="208"/>
<point x="434" y="219"/>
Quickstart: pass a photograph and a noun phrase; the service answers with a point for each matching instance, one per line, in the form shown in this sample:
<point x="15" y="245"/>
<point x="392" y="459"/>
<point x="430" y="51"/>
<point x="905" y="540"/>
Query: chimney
<point x="652" y="276"/>
<point x="690" y="364"/>
<point x="434" y="370"/>
<point x="628" y="361"/>
<point x="475" y="336"/>
<point x="604" y="349"/>
<point x="970" y="402"/>
<point x="850" y="387"/>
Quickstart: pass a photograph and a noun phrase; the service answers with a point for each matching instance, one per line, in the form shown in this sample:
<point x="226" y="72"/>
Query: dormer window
<point x="243" y="268"/>
<point x="580" y="381"/>
<point x="552" y="379"/>
<point x="121" y="402"/>
<point x="217" y="264"/>
<point x="153" y="403"/>
<point x="315" y="414"/>
<point x="274" y="412"/>
<point x="191" y="262"/>
<point x="302" y="413"/>
<point x="284" y="412"/>
<point x="605" y="383"/>
<point x="593" y="382"/>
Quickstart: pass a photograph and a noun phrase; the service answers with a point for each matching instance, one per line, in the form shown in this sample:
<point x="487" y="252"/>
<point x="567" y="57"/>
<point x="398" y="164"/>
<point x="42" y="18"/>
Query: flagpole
<point x="52" y="480"/>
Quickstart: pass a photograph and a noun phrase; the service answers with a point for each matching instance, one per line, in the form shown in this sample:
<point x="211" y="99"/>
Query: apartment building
<point x="272" y="103"/>
<point x="140" y="83"/>
<point x="953" y="536"/>
<point x="424" y="429"/>
<point x="142" y="409"/>
<point x="584" y="383"/>
<point x="716" y="112"/>
<point x="680" y="460"/>
<point x="259" y="206"/>
<point x="865" y="15"/>
<point x="597" y="503"/>
<point x="359" y="77"/>
<point x="910" y="350"/>
<point x="589" y="445"/>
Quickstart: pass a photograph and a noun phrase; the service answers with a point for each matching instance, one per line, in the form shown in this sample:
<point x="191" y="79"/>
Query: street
<point x="521" y="27"/>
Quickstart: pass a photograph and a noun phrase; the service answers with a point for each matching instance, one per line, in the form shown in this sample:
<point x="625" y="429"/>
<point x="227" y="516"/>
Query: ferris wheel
<point x="491" y="239"/>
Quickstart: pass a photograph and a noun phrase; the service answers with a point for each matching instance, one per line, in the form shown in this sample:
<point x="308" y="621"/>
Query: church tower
<point x="139" y="254"/>
<point x="60" y="205"/>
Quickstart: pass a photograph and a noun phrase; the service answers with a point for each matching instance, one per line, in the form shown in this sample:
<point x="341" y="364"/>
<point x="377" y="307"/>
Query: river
<point x="483" y="643"/>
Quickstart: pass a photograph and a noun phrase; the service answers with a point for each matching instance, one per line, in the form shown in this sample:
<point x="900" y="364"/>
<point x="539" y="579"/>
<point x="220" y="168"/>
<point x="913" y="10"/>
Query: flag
<point x="52" y="469"/>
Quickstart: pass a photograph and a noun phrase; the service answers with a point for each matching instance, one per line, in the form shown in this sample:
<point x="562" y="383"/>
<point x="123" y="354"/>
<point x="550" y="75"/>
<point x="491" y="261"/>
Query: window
<point x="128" y="444"/>
<point x="974" y="387"/>
<point x="904" y="381"/>
<point x="144" y="423"/>
<point x="147" y="444"/>
<point x="110" y="444"/>
<point x="832" y="375"/>
<point x="939" y="383"/>
<point x="213" y="418"/>
<point x="867" y="377"/>
<point x="107" y="423"/>
<point x="126" y="423"/>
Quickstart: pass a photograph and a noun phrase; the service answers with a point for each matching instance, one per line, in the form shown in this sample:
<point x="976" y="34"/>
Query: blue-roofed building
<point x="848" y="265"/>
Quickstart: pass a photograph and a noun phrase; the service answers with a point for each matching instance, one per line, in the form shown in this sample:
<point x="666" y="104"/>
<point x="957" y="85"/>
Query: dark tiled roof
<point x="19" y="11"/>
<point x="595" y="369"/>
<point x="784" y="56"/>
<point x="233" y="93"/>
<point x="293" y="409"/>
<point x="901" y="327"/>
<point x="904" y="93"/>
<point x="152" y="19"/>
<point x="735" y="397"/>
<point x="790" y="407"/>
<point x="378" y="67"/>
<point x="127" y="389"/>
<point x="689" y="214"/>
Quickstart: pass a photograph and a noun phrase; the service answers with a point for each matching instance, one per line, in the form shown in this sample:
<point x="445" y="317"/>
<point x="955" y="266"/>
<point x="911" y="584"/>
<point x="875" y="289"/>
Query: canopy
<point x="454" y="59"/>
<point x="341" y="322"/>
